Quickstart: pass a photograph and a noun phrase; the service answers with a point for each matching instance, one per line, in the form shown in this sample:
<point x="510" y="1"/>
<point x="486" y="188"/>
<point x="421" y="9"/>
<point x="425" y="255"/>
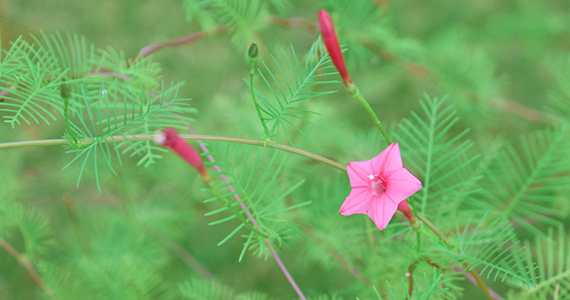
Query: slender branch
<point x="410" y="275"/>
<point x="332" y="163"/>
<point x="290" y="149"/>
<point x="227" y="204"/>
<point x="356" y="95"/>
<point x="295" y="23"/>
<point x="480" y="282"/>
<point x="252" y="220"/>
<point x="27" y="264"/>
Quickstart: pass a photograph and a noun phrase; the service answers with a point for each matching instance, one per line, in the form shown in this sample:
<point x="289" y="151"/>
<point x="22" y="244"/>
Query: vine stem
<point x="252" y="220"/>
<point x="252" y="59"/>
<point x="59" y="142"/>
<point x="356" y="95"/>
<point x="27" y="264"/>
<point x="354" y="92"/>
<point x="54" y="142"/>
<point x="480" y="282"/>
<point x="227" y="204"/>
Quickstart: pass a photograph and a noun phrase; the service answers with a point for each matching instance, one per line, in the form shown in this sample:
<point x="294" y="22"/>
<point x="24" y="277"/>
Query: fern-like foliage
<point x="253" y="189"/>
<point x="199" y="289"/>
<point x="242" y="18"/>
<point x="32" y="75"/>
<point x="422" y="290"/>
<point x="443" y="163"/>
<point x="518" y="185"/>
<point x="290" y="85"/>
<point x="494" y="247"/>
<point x="552" y="277"/>
<point x="559" y="98"/>
<point x="111" y="124"/>
<point x="26" y="224"/>
<point x="125" y="271"/>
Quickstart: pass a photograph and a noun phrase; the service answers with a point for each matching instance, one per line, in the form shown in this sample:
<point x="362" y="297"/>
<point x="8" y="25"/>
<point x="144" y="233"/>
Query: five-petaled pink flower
<point x="379" y="186"/>
<point x="331" y="42"/>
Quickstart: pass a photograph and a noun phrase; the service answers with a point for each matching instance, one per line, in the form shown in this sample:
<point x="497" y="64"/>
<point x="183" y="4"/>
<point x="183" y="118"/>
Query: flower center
<point x="378" y="184"/>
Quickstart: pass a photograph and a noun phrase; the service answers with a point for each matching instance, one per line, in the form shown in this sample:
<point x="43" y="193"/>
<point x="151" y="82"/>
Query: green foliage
<point x="442" y="162"/>
<point x="242" y="18"/>
<point x="199" y="289"/>
<point x="104" y="125"/>
<point x="33" y="72"/>
<point x="145" y="236"/>
<point x="524" y="183"/>
<point x="289" y="95"/>
<point x="493" y="246"/>
<point x="254" y="190"/>
<point x="27" y="226"/>
<point x="427" y="289"/>
<point x="552" y="277"/>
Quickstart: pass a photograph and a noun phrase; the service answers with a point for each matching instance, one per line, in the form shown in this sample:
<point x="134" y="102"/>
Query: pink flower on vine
<point x="379" y="186"/>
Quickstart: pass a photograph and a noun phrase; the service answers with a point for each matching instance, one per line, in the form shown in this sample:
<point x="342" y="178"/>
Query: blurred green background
<point x="498" y="61"/>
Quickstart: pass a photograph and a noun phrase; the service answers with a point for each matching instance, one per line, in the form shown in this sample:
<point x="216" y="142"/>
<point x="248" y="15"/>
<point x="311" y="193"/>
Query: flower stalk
<point x="331" y="42"/>
<point x="253" y="53"/>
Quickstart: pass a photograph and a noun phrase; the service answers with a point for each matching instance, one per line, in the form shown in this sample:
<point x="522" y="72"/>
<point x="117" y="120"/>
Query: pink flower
<point x="169" y="138"/>
<point x="379" y="186"/>
<point x="331" y="42"/>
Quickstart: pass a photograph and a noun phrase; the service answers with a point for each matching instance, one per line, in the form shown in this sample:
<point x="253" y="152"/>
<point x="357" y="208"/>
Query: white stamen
<point x="371" y="176"/>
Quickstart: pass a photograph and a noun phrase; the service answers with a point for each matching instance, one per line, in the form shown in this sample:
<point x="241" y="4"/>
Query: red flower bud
<point x="331" y="42"/>
<point x="169" y="139"/>
<point x="405" y="209"/>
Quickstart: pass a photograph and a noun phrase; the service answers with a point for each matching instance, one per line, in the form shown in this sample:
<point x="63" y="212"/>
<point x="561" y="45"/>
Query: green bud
<point x="65" y="93"/>
<point x="252" y="52"/>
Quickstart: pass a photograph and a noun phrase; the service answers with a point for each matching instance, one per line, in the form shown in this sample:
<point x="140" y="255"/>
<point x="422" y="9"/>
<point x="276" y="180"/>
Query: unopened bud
<point x="252" y="52"/>
<point x="331" y="42"/>
<point x="64" y="89"/>
<point x="405" y="209"/>
<point x="170" y="139"/>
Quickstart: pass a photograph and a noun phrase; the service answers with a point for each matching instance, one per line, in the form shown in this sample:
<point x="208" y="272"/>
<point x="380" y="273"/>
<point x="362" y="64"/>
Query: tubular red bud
<point x="405" y="209"/>
<point x="331" y="42"/>
<point x="169" y="139"/>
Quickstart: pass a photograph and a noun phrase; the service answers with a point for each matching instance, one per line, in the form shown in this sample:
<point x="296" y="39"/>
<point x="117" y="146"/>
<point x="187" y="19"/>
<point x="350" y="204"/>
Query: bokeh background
<point x="499" y="62"/>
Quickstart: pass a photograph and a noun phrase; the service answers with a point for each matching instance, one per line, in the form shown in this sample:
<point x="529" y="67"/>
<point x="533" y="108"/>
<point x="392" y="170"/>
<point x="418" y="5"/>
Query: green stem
<point x="27" y="264"/>
<point x="251" y="72"/>
<point x="480" y="282"/>
<point x="139" y="137"/>
<point x="226" y="203"/>
<point x="66" y="94"/>
<point x="313" y="156"/>
<point x="354" y="92"/>
<point x="356" y="95"/>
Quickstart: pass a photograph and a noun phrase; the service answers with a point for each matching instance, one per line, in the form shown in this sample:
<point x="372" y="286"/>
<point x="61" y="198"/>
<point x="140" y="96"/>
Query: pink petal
<point x="388" y="161"/>
<point x="401" y="185"/>
<point x="357" y="202"/>
<point x="358" y="172"/>
<point x="382" y="210"/>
